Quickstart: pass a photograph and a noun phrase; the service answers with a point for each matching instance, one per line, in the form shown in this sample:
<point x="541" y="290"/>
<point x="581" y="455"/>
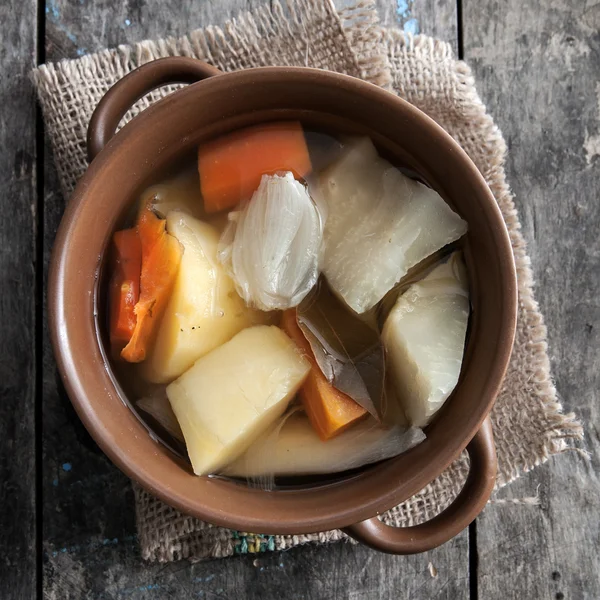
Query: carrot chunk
<point x="124" y="289"/>
<point x="329" y="410"/>
<point x="161" y="256"/>
<point x="231" y="166"/>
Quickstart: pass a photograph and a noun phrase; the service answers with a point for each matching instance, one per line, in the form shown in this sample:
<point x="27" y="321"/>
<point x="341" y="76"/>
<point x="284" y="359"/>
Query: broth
<point x="356" y="342"/>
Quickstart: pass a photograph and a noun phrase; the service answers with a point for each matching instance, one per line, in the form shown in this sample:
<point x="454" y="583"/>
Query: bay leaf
<point x="347" y="348"/>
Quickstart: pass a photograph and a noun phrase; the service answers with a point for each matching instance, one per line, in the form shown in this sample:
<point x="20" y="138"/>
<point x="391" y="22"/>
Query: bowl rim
<point x="71" y="367"/>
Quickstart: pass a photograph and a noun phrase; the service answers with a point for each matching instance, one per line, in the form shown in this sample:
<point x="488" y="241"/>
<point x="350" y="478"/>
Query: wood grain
<point x="437" y="18"/>
<point x="538" y="70"/>
<point x="340" y="572"/>
<point x="89" y="530"/>
<point x="74" y="28"/>
<point x="18" y="225"/>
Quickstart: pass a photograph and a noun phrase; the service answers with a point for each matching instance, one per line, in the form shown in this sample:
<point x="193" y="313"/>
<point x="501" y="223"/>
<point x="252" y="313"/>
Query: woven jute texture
<point x="529" y="424"/>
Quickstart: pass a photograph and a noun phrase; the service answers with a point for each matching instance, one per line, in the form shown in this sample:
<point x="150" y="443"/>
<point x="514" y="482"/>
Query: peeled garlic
<point x="272" y="245"/>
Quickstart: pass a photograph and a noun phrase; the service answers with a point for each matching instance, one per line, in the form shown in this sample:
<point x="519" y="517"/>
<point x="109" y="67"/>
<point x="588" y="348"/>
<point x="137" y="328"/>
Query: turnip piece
<point x="424" y="336"/>
<point x="379" y="224"/>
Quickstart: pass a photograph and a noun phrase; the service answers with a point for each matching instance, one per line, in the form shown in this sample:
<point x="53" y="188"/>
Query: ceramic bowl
<point x="126" y="162"/>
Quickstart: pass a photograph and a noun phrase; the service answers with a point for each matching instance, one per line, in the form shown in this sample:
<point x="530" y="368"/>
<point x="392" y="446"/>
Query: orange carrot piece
<point x="329" y="410"/>
<point x="231" y="166"/>
<point x="161" y="256"/>
<point x="124" y="287"/>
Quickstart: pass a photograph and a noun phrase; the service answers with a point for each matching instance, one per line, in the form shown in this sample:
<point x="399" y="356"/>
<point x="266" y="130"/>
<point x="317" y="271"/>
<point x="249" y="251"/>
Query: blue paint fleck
<point x="150" y="586"/>
<point x="204" y="579"/>
<point x="107" y="541"/>
<point x="55" y="482"/>
<point x="127" y="22"/>
<point x="412" y="26"/>
<point x="67" y="467"/>
<point x="52" y="9"/>
<point x="81" y="51"/>
<point x="402" y="8"/>
<point x="281" y="565"/>
<point x="262" y="568"/>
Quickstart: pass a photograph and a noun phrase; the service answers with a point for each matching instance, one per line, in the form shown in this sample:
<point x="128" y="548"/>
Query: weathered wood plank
<point x="77" y="27"/>
<point x="114" y="570"/>
<point x="538" y="69"/>
<point x="437" y="18"/>
<point x="18" y="32"/>
<point x="89" y="534"/>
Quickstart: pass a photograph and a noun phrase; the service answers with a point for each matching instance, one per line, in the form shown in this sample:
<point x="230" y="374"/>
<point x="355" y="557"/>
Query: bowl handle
<point x="466" y="506"/>
<point x="123" y="95"/>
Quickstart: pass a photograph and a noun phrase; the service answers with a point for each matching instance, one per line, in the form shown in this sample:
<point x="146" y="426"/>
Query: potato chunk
<point x="234" y="393"/>
<point x="204" y="310"/>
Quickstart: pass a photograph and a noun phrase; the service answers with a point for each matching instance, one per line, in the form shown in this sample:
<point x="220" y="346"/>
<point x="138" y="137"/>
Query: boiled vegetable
<point x="380" y="223"/>
<point x="204" y="310"/>
<point x="161" y="255"/>
<point x="347" y="348"/>
<point x="231" y="166"/>
<point x="295" y="449"/>
<point x="181" y="192"/>
<point x="124" y="291"/>
<point x="234" y="393"/>
<point x="329" y="410"/>
<point x="392" y="412"/>
<point x="272" y="246"/>
<point x="424" y="336"/>
<point x="156" y="404"/>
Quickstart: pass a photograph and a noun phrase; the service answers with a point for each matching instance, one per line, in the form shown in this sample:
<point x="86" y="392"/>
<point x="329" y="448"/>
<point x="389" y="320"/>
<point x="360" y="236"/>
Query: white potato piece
<point x="295" y="448"/>
<point x="204" y="310"/>
<point x="424" y="337"/>
<point x="234" y="393"/>
<point x="380" y="223"/>
<point x="181" y="192"/>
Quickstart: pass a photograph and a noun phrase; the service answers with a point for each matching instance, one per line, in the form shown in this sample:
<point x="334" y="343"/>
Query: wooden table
<point x="67" y="526"/>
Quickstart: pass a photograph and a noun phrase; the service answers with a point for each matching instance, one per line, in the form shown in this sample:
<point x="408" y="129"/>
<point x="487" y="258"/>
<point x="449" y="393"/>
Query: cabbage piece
<point x="294" y="448"/>
<point x="272" y="245"/>
<point x="157" y="406"/>
<point x="379" y="224"/>
<point x="424" y="337"/>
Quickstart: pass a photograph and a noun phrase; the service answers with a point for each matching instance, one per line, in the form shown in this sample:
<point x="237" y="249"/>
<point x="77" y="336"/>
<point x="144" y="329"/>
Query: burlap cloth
<point x="529" y="425"/>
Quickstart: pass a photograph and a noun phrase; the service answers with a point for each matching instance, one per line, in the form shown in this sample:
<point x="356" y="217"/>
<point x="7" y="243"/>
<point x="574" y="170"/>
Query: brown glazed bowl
<point x="123" y="164"/>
